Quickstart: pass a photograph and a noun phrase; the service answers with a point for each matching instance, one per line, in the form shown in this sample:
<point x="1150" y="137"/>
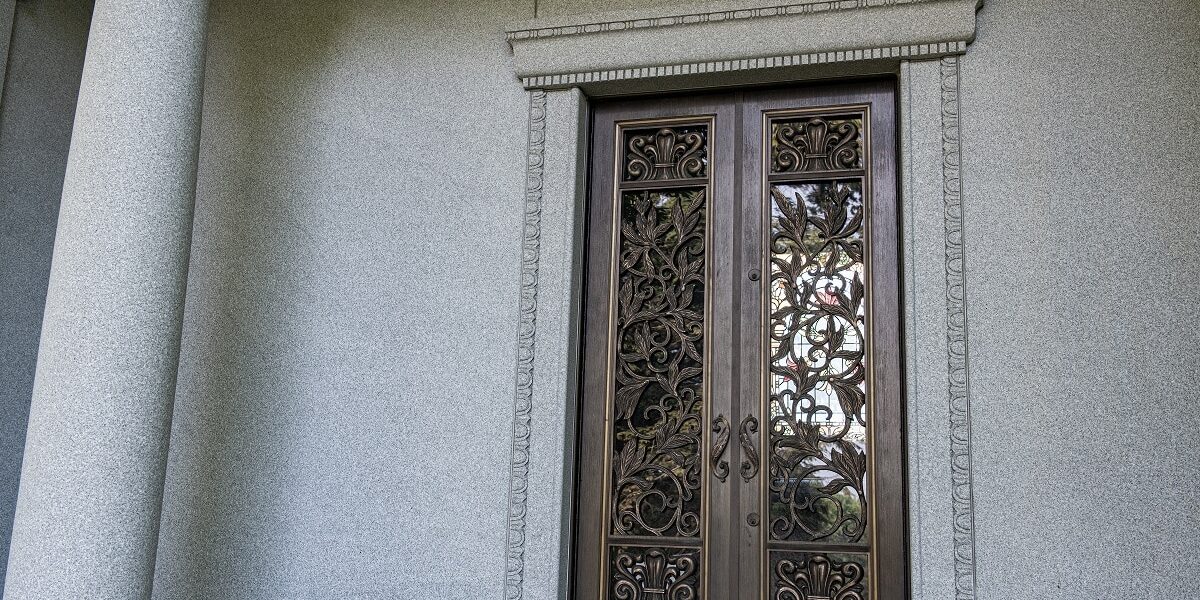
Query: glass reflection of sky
<point x="818" y="406"/>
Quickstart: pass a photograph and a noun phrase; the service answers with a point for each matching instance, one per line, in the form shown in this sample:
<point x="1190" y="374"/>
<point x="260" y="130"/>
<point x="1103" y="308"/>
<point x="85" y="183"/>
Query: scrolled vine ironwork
<point x="658" y="399"/>
<point x="816" y="144"/>
<point x="666" y="153"/>
<point x="720" y="429"/>
<point x="818" y="462"/>
<point x="655" y="574"/>
<point x="816" y="577"/>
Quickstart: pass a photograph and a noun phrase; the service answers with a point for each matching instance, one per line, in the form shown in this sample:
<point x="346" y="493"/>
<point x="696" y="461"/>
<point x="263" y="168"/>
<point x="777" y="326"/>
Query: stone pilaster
<point x="91" y="485"/>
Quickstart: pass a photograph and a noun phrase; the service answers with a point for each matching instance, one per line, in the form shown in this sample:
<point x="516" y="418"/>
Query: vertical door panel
<point x="656" y="391"/>
<point x="822" y="349"/>
<point x="740" y="418"/>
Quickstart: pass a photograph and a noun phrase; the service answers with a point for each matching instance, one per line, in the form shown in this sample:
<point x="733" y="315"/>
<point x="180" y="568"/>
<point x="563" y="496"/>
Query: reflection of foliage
<point x="818" y="460"/>
<point x="660" y="316"/>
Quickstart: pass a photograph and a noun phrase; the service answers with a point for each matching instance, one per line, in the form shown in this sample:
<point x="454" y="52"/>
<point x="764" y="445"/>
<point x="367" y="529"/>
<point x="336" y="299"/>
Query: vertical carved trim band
<point x="963" y="501"/>
<point x="518" y="486"/>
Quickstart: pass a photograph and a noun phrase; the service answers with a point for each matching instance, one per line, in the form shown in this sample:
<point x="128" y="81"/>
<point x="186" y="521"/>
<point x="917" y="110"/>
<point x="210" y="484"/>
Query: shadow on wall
<point x="227" y="480"/>
<point x="37" y="109"/>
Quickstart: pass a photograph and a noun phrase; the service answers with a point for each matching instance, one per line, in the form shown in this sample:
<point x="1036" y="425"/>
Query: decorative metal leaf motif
<point x="655" y="574"/>
<point x="818" y="461"/>
<point x="659" y="375"/>
<point x="666" y="153"/>
<point x="816" y="577"/>
<point x="816" y="144"/>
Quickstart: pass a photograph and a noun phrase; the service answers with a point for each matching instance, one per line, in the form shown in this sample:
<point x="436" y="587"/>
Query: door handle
<point x="749" y="466"/>
<point x="720" y="429"/>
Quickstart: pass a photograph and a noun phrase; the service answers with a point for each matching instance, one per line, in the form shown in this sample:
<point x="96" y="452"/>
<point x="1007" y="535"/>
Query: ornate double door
<point x="741" y="402"/>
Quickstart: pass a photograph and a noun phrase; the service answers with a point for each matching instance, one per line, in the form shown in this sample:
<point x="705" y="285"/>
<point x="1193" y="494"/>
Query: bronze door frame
<point x="733" y="502"/>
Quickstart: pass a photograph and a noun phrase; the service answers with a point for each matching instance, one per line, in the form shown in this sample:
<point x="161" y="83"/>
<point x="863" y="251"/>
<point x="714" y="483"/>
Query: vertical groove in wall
<point x="908" y="229"/>
<point x="518" y="487"/>
<point x="8" y="13"/>
<point x="956" y="338"/>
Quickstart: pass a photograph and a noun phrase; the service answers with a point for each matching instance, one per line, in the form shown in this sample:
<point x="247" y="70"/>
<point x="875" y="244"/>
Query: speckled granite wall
<point x="1081" y="175"/>
<point x="343" y="419"/>
<point x="36" y="112"/>
<point x="342" y="425"/>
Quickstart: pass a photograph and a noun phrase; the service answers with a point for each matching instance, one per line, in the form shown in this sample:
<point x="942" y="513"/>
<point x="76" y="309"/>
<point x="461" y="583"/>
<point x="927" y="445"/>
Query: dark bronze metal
<point x="816" y="143"/>
<point x="682" y="258"/>
<point x="666" y="153"/>
<point x="655" y="574"/>
<point x="817" y="449"/>
<point x="827" y="328"/>
<point x="658" y="402"/>
<point x="812" y="577"/>
<point x="746" y="430"/>
<point x="720" y="429"/>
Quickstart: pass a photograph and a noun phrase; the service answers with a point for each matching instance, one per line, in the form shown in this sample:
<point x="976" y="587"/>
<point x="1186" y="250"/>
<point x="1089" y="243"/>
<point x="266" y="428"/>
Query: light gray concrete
<point x="36" y="111"/>
<point x="342" y="427"/>
<point x="552" y="443"/>
<point x="1082" y="207"/>
<point x="613" y="42"/>
<point x="931" y="544"/>
<point x="344" y="413"/>
<point x="91" y="485"/>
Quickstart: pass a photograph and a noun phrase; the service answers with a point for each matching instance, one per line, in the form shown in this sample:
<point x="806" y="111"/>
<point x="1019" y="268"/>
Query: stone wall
<point x="345" y="395"/>
<point x="343" y="421"/>
<point x="1081" y="176"/>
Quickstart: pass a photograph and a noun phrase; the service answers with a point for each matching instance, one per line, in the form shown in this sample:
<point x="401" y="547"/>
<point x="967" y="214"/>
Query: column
<point x="91" y="486"/>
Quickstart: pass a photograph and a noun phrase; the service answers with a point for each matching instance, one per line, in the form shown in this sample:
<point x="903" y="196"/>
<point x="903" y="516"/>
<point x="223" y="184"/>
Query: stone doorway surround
<point x="565" y="61"/>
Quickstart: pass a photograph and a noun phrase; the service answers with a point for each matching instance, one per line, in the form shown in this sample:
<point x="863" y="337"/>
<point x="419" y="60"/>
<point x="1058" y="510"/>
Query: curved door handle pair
<point x="749" y="466"/>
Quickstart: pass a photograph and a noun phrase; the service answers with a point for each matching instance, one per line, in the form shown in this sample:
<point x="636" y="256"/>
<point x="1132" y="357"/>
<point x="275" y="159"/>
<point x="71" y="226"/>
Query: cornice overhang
<point x="725" y="36"/>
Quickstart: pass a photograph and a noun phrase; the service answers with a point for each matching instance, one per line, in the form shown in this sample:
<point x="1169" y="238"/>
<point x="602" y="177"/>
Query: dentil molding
<point x="580" y="49"/>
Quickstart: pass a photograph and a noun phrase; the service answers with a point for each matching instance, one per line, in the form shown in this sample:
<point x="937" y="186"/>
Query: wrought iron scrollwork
<point x="658" y="401"/>
<point x="655" y="574"/>
<point x="720" y="429"/>
<point x="818" y="432"/>
<point x="749" y="466"/>
<point x="816" y="144"/>
<point x="816" y="577"/>
<point x="666" y="153"/>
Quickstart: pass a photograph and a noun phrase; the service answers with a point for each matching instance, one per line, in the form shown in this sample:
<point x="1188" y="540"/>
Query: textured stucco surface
<point x="736" y="39"/>
<point x="552" y="439"/>
<point x="343" y="417"/>
<point x="342" y="424"/>
<point x="1081" y="177"/>
<point x="36" y="112"/>
<point x="931" y="548"/>
<point x="87" y="512"/>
